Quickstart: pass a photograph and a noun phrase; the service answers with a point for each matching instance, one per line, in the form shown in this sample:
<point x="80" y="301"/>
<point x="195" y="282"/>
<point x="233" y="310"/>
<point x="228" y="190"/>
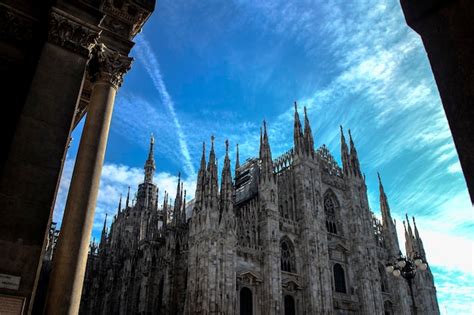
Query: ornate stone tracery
<point x="68" y="33"/>
<point x="378" y="231"/>
<point x="331" y="209"/>
<point x="329" y="163"/>
<point x="284" y="161"/>
<point x="288" y="261"/>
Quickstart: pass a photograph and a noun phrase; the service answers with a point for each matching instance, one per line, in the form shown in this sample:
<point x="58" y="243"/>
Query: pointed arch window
<point x="288" y="261"/>
<point x="339" y="279"/>
<point x="331" y="209"/>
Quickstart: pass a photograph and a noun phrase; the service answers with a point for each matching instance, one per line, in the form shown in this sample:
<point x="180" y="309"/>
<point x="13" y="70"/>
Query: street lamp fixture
<point x="406" y="267"/>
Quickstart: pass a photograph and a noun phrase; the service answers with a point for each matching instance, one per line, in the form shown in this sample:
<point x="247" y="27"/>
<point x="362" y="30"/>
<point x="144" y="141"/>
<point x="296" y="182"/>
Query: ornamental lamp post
<point x="406" y="267"/>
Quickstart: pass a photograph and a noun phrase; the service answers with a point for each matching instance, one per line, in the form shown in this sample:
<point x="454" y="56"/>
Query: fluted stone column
<point x="107" y="68"/>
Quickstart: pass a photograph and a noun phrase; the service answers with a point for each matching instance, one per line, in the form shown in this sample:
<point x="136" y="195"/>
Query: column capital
<point x="68" y="32"/>
<point x="108" y="65"/>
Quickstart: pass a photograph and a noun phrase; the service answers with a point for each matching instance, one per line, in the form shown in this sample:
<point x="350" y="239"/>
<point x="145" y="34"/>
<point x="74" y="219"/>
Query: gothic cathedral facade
<point x="292" y="235"/>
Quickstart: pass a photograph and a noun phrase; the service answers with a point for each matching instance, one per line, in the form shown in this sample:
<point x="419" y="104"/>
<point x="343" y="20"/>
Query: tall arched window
<point x="287" y="255"/>
<point x="246" y="301"/>
<point x="331" y="207"/>
<point x="339" y="279"/>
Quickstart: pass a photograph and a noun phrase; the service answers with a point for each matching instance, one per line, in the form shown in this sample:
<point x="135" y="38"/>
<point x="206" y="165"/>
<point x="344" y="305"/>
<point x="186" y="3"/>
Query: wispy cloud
<point x="148" y="59"/>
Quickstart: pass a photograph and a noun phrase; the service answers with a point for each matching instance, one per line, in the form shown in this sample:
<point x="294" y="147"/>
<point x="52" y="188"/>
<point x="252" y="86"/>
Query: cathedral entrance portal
<point x="246" y="303"/>
<point x="289" y="305"/>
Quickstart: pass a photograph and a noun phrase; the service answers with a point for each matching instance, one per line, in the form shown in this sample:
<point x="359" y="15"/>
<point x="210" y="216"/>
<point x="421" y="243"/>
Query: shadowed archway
<point x="246" y="302"/>
<point x="289" y="305"/>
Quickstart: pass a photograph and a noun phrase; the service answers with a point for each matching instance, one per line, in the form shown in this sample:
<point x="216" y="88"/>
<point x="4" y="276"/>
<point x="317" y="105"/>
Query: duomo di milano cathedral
<point x="291" y="235"/>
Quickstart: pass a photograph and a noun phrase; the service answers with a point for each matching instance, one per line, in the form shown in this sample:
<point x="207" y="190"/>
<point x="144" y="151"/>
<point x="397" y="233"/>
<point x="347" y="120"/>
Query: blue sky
<point x="221" y="67"/>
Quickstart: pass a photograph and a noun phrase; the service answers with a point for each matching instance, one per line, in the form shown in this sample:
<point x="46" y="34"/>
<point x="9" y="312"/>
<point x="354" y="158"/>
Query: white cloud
<point x="439" y="246"/>
<point x="114" y="182"/>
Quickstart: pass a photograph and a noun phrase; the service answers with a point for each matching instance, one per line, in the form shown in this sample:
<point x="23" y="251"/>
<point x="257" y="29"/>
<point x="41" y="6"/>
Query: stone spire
<point x="183" y="213"/>
<point x="237" y="160"/>
<point x="119" y="205"/>
<point x="384" y="207"/>
<point x="410" y="231"/>
<point x="410" y="247"/>
<point x="150" y="162"/>
<point x="128" y="198"/>
<point x="344" y="154"/>
<point x="212" y="189"/>
<point x="419" y="242"/>
<point x="308" y="135"/>
<point x="201" y="180"/>
<point x="103" y="236"/>
<point x="266" y="155"/>
<point x="226" y="185"/>
<point x="388" y="224"/>
<point x="354" y="159"/>
<point x="407" y="237"/>
<point x="298" y="138"/>
<point x="177" y="201"/>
